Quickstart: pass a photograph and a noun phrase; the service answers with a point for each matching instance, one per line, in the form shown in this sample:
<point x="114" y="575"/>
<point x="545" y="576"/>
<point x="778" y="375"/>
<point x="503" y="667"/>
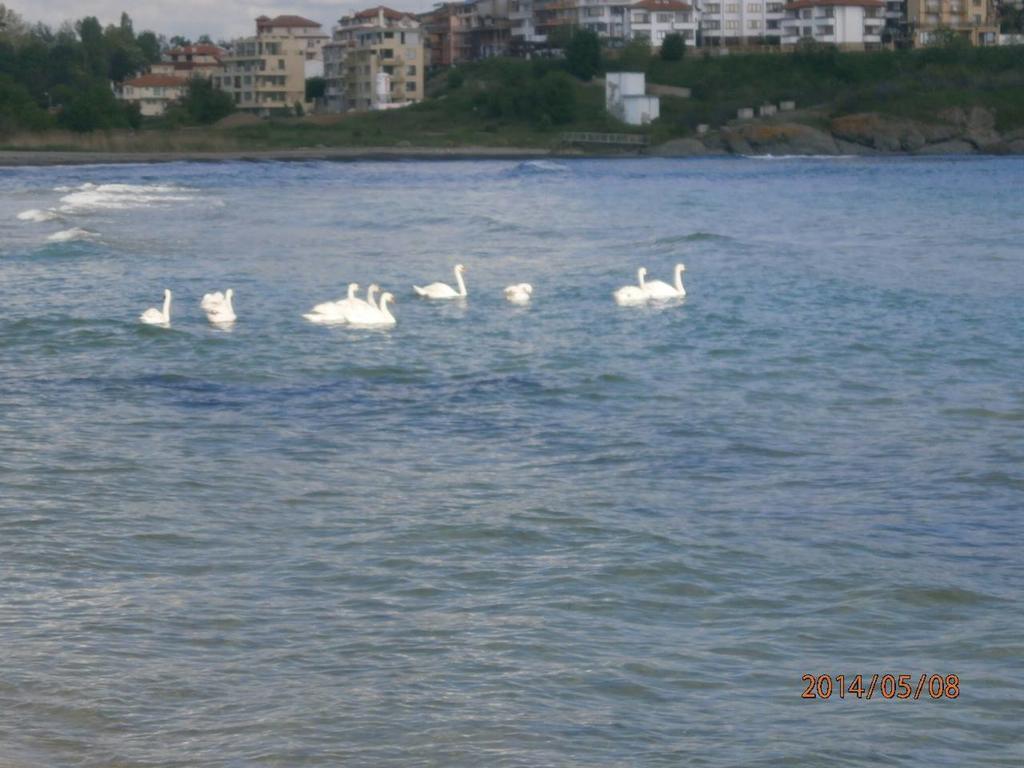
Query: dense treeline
<point x="62" y="78"/>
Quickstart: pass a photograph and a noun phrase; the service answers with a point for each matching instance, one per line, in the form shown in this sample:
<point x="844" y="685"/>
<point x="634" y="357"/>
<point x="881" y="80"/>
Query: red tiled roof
<point x="156" y="81"/>
<point x="201" y="49"/>
<point x="285" y="21"/>
<point x="662" y="5"/>
<point x="389" y="13"/>
<point x="798" y="4"/>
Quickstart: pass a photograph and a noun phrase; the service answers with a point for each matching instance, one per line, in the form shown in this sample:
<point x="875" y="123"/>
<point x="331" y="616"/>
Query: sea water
<point x="561" y="534"/>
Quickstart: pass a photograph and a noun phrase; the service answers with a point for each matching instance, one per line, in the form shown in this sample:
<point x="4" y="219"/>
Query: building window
<point x="732" y="7"/>
<point x="410" y="87"/>
<point x="411" y="70"/>
<point x="714" y="8"/>
<point x="753" y="24"/>
<point x="665" y="18"/>
<point x="732" y="24"/>
<point x="280" y="63"/>
<point x="753" y="7"/>
<point x="410" y="54"/>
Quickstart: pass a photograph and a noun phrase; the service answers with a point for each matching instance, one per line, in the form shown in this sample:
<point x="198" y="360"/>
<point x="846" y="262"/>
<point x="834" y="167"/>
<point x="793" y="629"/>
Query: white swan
<point x="335" y="307"/>
<point x="658" y="289"/>
<point x="369" y="316"/>
<point x="211" y="300"/>
<point x="631" y="295"/>
<point x="443" y="290"/>
<point x="154" y="316"/>
<point x="519" y="293"/>
<point x="221" y="313"/>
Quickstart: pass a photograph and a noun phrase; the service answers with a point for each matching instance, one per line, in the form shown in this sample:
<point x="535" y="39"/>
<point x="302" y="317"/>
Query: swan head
<point x="229" y="293"/>
<point x="387" y="296"/>
<point x="167" y="294"/>
<point x="527" y="288"/>
<point x="352" y="288"/>
<point x="459" y="268"/>
<point x="680" y="267"/>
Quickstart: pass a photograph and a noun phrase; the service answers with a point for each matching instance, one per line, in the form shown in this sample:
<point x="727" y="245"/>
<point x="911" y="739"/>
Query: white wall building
<point x="848" y="24"/>
<point x="732" y="22"/>
<point x="625" y="98"/>
<point x="153" y="93"/>
<point x="523" y="34"/>
<point x="653" y="19"/>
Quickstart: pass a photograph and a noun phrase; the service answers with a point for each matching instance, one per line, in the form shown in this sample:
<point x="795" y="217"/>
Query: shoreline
<point x="45" y="157"/>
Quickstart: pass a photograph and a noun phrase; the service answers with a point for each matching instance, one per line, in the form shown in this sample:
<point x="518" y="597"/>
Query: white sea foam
<point x="35" y="214"/>
<point x="68" y="235"/>
<point x="543" y="166"/>
<point x="90" y="197"/>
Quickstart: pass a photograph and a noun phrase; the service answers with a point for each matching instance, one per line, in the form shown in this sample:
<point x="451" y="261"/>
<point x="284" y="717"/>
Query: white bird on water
<point x="519" y="293"/>
<point x="369" y="316"/>
<point x="631" y="295"/>
<point x="334" y="307"/>
<point x="222" y="311"/>
<point x="658" y="289"/>
<point x="154" y="316"/>
<point x="443" y="290"/>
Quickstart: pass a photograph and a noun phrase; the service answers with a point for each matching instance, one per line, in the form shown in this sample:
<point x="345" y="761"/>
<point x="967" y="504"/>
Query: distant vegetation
<point x="62" y="78"/>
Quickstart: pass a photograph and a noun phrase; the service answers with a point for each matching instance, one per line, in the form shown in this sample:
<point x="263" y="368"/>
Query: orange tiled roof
<point x="389" y="13"/>
<point x="286" y="21"/>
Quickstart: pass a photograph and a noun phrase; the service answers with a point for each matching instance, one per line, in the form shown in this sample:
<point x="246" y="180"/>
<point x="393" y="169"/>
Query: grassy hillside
<point x="914" y="84"/>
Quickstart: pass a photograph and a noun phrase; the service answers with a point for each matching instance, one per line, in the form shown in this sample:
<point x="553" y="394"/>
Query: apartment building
<point x="374" y="61"/>
<point x="854" y="25"/>
<point x="267" y="73"/>
<point x="523" y="35"/>
<point x="652" y="20"/>
<point x="152" y="92"/>
<point x="202" y="60"/>
<point x="976" y="20"/>
<point x="736" y="22"/>
<point x="446" y="34"/>
<point x="309" y="34"/>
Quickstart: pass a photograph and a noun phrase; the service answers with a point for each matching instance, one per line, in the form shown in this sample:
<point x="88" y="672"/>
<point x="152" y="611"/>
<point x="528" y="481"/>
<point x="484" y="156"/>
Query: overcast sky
<point x="191" y="18"/>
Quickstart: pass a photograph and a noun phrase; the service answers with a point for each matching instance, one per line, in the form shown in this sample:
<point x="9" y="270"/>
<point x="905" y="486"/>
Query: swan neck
<point x="462" y="285"/>
<point x="369" y="295"/>
<point x="384" y="308"/>
<point x="167" y="305"/>
<point x="679" y="279"/>
<point x="640" y="276"/>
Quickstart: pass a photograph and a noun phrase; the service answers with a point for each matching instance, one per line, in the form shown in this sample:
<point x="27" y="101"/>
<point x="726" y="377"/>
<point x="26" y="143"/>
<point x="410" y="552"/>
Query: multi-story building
<point x="267" y="73"/>
<point x="446" y="34"/>
<point x="374" y="61"/>
<point x="848" y="24"/>
<point x="652" y="20"/>
<point x="975" y="20"/>
<point x="152" y="92"/>
<point x="202" y="60"/>
<point x="523" y="34"/>
<point x="310" y="35"/>
<point x="490" y="29"/>
<point x="740" y="22"/>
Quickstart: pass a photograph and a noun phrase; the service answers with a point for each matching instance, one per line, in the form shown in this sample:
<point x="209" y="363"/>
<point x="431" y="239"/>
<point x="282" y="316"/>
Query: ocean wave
<point x="801" y="157"/>
<point x="35" y="214"/>
<point x="532" y="167"/>
<point x="68" y="235"/>
<point x="123" y="196"/>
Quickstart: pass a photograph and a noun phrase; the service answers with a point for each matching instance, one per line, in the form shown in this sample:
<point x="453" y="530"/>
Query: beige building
<point x="975" y="20"/>
<point x="152" y="92"/>
<point x="374" y="61"/>
<point x="267" y="73"/>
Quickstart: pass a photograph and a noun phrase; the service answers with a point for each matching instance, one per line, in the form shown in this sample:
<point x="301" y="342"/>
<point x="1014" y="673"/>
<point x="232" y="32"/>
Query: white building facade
<point x="625" y="98"/>
<point x="854" y="25"/>
<point x="652" y="20"/>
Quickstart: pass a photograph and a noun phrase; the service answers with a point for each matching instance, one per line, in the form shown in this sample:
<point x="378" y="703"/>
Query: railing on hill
<point x="589" y="137"/>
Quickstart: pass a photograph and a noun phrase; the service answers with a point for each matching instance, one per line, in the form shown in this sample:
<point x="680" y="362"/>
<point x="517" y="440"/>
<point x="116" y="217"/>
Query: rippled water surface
<point x="565" y="534"/>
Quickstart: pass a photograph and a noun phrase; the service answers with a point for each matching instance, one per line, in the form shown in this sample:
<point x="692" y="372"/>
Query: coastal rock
<point x="735" y="142"/>
<point x="1015" y="147"/>
<point x="881" y="132"/>
<point x="951" y="147"/>
<point x="685" y="148"/>
<point x="936" y="132"/>
<point x="785" y="139"/>
<point x="849" y="148"/>
<point x="976" y="124"/>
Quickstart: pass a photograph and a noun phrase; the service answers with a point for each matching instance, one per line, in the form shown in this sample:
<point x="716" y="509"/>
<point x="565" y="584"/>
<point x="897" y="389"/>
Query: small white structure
<point x="767" y="110"/>
<point x="745" y="113"/>
<point x="625" y="98"/>
<point x="787" y="106"/>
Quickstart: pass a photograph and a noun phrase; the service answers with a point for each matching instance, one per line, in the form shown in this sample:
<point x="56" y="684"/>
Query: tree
<point x="91" y="34"/>
<point x="149" y="45"/>
<point x="555" y="97"/>
<point x="316" y="87"/>
<point x="204" y="104"/>
<point x="179" y="42"/>
<point x="583" y="55"/>
<point x="673" y="47"/>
